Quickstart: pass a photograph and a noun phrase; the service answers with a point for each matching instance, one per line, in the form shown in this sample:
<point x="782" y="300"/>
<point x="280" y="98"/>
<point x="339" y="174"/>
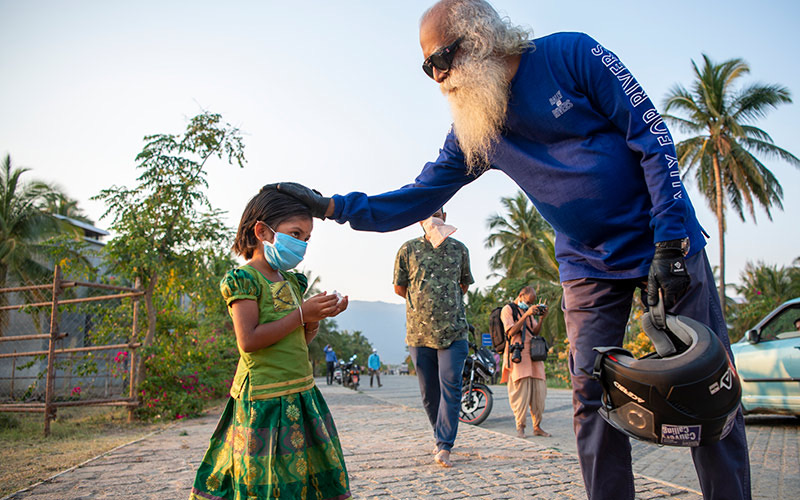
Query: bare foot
<point x="443" y="458"/>
<point x="521" y="432"/>
<point x="538" y="431"/>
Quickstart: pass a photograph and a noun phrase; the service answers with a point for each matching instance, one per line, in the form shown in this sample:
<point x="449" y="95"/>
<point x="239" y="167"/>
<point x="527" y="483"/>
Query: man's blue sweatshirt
<point x="586" y="144"/>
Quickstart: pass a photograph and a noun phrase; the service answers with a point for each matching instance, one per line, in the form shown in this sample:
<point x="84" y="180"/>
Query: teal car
<point x="768" y="361"/>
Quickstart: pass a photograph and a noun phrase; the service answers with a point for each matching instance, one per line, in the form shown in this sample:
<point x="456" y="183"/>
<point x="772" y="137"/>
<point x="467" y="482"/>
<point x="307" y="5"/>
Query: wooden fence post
<point x="49" y="410"/>
<point x="133" y="383"/>
<point x="13" y="371"/>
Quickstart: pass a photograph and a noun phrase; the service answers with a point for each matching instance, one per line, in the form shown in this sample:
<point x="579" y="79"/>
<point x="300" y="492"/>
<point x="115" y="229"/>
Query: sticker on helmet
<point x="680" y="435"/>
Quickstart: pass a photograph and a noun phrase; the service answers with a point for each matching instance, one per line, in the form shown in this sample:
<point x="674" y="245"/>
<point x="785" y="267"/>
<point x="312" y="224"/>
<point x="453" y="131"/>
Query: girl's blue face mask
<point x="285" y="252"/>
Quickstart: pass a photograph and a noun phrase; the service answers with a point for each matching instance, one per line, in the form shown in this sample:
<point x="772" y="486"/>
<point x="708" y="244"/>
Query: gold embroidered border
<point x="282" y="384"/>
<point x="283" y="393"/>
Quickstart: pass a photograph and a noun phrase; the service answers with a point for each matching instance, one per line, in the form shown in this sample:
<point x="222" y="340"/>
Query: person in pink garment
<point x="525" y="379"/>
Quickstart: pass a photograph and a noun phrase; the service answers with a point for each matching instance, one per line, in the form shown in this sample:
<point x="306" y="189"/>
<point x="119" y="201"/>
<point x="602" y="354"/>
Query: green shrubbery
<point x="185" y="370"/>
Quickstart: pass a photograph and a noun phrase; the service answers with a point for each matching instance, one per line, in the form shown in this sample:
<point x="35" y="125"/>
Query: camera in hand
<point x="541" y="309"/>
<point x="516" y="352"/>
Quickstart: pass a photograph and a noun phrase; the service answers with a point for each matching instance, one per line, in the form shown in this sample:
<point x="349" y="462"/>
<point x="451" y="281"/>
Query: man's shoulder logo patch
<point x="562" y="105"/>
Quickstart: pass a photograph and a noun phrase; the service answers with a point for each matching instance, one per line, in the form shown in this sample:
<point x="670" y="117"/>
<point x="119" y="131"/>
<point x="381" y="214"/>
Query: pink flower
<point x="76" y="391"/>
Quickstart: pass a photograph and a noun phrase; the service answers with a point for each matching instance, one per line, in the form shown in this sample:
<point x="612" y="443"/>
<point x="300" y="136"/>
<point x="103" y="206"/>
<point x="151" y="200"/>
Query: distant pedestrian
<point x="433" y="273"/>
<point x="330" y="361"/>
<point x="374" y="364"/>
<point x="257" y="450"/>
<point x="525" y="378"/>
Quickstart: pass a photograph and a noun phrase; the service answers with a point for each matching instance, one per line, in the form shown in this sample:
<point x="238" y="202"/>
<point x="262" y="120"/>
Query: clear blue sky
<point x="331" y="94"/>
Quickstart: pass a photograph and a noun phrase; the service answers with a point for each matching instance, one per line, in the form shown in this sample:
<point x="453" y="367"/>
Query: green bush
<point x="184" y="371"/>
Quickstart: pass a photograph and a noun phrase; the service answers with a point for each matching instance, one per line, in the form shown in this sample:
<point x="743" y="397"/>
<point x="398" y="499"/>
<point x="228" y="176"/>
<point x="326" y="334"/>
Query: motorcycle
<point x="476" y="396"/>
<point x="351" y="373"/>
<point x="338" y="371"/>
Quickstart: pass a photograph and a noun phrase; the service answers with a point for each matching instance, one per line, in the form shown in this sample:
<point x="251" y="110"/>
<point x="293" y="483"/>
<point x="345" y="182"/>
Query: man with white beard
<point x="566" y="120"/>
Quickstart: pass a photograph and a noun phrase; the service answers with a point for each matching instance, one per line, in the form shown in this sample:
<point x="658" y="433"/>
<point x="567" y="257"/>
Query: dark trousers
<point x="439" y="373"/>
<point x="596" y="312"/>
<point x="331" y="368"/>
<point x="376" y="373"/>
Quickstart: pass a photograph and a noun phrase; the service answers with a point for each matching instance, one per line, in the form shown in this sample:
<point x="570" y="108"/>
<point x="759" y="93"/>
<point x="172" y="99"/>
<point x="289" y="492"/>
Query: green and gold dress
<point x="276" y="437"/>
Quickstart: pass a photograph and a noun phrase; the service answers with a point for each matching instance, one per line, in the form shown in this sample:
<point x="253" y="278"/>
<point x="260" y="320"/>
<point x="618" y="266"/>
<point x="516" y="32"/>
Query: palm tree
<point x="23" y="227"/>
<point x="314" y="282"/>
<point x="722" y="149"/>
<point x="519" y="235"/>
<point x="58" y="203"/>
<point x="526" y="255"/>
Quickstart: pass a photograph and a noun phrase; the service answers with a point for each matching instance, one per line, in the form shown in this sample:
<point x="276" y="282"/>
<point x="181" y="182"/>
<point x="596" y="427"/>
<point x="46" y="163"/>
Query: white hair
<point x="481" y="28"/>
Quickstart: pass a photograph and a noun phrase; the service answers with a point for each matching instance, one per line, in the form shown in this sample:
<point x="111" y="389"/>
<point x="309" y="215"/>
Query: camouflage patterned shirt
<point x="435" y="315"/>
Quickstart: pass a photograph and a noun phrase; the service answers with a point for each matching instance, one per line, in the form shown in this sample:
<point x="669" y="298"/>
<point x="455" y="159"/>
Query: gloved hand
<point x="311" y="197"/>
<point x="667" y="272"/>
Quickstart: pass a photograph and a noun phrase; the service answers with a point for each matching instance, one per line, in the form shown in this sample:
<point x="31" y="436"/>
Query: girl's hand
<point x="341" y="306"/>
<point x="320" y="306"/>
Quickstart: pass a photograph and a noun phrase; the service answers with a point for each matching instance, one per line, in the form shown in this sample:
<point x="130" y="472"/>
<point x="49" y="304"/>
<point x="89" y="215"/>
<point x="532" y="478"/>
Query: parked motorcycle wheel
<point x="476" y="405"/>
<point x="355" y="382"/>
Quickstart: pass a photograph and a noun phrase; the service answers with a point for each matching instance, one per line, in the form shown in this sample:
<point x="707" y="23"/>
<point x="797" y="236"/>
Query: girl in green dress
<point x="276" y="437"/>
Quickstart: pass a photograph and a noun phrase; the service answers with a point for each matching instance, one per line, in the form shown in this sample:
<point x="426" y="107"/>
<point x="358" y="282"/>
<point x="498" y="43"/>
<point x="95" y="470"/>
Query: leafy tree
<point x="344" y="343"/>
<point x="24" y="227"/>
<point x="722" y="149"/>
<point x="478" y="307"/>
<point x="166" y="228"/>
<point x="526" y="256"/>
<point x="763" y="287"/>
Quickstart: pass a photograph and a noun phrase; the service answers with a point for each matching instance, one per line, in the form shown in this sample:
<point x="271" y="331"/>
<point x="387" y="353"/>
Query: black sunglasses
<point x="442" y="59"/>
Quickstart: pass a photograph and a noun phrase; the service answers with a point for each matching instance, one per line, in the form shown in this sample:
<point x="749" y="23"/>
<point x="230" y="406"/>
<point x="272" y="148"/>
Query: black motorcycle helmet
<point x="684" y="394"/>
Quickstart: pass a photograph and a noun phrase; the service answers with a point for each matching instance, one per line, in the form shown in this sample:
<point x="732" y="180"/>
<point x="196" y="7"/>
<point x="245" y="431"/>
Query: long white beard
<point x="478" y="94"/>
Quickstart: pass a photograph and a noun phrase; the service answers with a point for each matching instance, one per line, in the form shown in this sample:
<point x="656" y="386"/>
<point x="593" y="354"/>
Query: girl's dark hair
<point x="269" y="206"/>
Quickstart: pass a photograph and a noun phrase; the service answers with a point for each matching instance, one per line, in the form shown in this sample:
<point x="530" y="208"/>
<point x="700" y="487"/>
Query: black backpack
<point x="496" y="328"/>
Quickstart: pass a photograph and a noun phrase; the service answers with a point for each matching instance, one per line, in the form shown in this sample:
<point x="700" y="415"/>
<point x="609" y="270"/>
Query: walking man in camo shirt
<point x="432" y="273"/>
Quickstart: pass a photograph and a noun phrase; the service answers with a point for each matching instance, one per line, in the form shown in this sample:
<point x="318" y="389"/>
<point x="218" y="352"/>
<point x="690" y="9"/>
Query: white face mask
<point x="436" y="230"/>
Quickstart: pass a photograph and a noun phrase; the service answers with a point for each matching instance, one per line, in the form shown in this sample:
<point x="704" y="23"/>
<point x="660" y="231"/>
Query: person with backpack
<point x="524" y="377"/>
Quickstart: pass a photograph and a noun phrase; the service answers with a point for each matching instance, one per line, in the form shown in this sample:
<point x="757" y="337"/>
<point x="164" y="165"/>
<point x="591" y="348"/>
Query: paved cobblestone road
<point x="388" y="453"/>
<point x="773" y="441"/>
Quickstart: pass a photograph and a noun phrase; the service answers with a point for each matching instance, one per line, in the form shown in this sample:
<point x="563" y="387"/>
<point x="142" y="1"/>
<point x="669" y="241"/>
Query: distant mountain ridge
<point x="384" y="324"/>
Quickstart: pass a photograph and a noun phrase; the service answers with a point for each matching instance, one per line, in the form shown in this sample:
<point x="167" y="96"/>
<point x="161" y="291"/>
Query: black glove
<point x="668" y="273"/>
<point x="311" y="197"/>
